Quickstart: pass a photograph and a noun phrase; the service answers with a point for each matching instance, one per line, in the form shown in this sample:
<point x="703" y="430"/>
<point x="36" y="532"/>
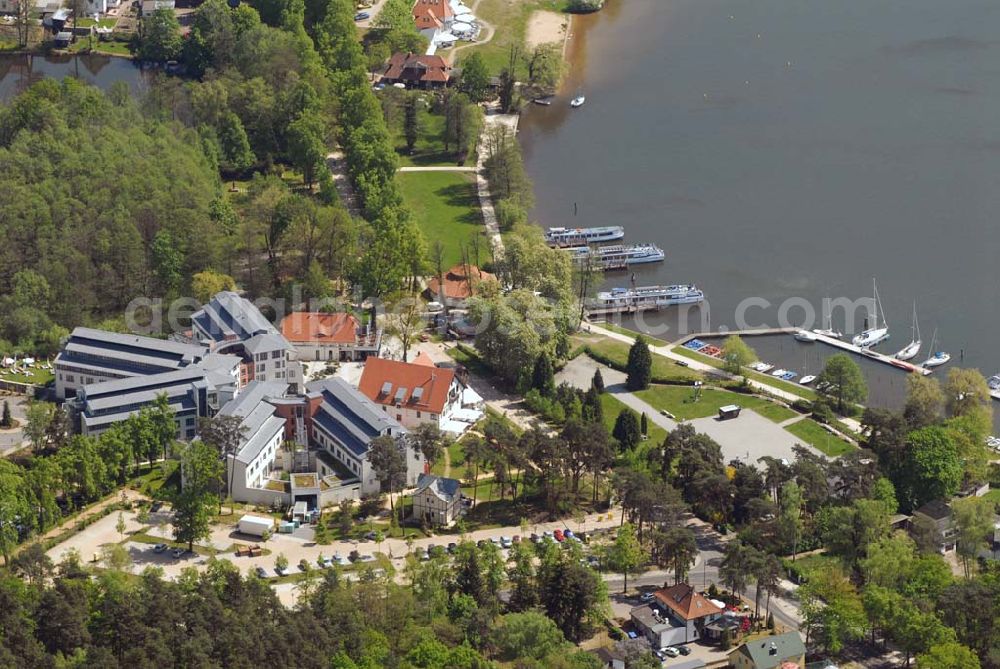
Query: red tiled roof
<point x="456" y="284"/>
<point x="431" y="13"/>
<point x="414" y="68"/>
<point x="685" y="602"/>
<point x="382" y="380"/>
<point x="423" y="359"/>
<point x="320" y="328"/>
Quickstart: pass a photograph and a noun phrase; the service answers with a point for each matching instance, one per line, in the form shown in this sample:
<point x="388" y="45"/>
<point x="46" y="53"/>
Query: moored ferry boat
<point x="646" y="297"/>
<point x="617" y="256"/>
<point x="583" y="236"/>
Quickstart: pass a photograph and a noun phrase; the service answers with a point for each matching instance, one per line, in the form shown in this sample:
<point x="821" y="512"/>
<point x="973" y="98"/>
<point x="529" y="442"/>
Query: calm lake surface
<point x="791" y="149"/>
<point x="18" y="72"/>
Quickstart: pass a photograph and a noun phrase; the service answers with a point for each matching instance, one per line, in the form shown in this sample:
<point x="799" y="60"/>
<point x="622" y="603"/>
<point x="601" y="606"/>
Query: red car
<point x="558" y="534"/>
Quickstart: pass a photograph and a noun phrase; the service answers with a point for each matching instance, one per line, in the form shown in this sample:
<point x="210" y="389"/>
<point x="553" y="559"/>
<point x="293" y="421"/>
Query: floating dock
<point x="823" y="339"/>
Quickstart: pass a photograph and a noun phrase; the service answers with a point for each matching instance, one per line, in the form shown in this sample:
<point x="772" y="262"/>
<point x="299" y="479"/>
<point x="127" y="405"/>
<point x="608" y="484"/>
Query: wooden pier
<point x="829" y="341"/>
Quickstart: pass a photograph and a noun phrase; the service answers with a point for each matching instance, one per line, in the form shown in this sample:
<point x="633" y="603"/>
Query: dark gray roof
<point x="253" y="394"/>
<point x="350" y="417"/>
<point x="446" y="489"/>
<point x="651" y="618"/>
<point x="688" y="664"/>
<point x="768" y="652"/>
<point x="127" y="354"/>
<point x="936" y="509"/>
<point x="229" y="316"/>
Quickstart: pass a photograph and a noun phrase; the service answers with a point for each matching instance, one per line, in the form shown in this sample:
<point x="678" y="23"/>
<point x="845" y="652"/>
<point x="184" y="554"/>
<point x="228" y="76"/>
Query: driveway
<point x="749" y="437"/>
<point x="12" y="440"/>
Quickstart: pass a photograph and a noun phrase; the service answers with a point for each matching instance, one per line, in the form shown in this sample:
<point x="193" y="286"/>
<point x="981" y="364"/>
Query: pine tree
<point x="626" y="429"/>
<point x="6" y="421"/>
<point x="640" y="366"/>
<point x="543" y="378"/>
<point x="644" y="424"/>
<point x="597" y="383"/>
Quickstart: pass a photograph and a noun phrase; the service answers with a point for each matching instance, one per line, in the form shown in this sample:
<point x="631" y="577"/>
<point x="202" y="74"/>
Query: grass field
<point x="813" y="564"/>
<point x="776" y="412"/>
<point x="653" y="341"/>
<point x="457" y="458"/>
<point x="679" y="400"/>
<point x="39" y="377"/>
<point x="604" y="349"/>
<point x="816" y="436"/>
<point x="613" y="406"/>
<point x="446" y="207"/>
<point x="510" y="18"/>
<point x="793" y="388"/>
<point x="429" y="149"/>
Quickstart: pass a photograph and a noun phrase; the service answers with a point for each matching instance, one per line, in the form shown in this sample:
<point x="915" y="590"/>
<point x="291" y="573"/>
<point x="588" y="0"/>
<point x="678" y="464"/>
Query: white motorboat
<point x="779" y="372"/>
<point x="938" y="359"/>
<point x="761" y="367"/>
<point x="577" y="101"/>
<point x="805" y="336"/>
<point x="877" y="333"/>
<point x="563" y="237"/>
<point x="807" y="379"/>
<point x="910" y="351"/>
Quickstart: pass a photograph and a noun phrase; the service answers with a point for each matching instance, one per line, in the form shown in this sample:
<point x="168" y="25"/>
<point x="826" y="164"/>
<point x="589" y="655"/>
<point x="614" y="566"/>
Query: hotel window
<point x="418" y="414"/>
<point x="275" y="355"/>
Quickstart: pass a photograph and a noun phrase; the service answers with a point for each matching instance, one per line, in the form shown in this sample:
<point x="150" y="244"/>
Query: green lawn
<point x="446" y="207"/>
<point x="613" y="406"/>
<point x="457" y="457"/>
<point x="993" y="495"/>
<point x="813" y="564"/>
<point x="39" y="377"/>
<point x="681" y="402"/>
<point x="615" y="353"/>
<point x="816" y="436"/>
<point x="429" y="149"/>
<point x="511" y="19"/>
<point x="776" y="412"/>
<point x="794" y="388"/>
<point x="653" y="341"/>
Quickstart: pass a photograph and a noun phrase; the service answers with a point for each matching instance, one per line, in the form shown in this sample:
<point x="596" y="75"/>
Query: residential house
<point x="417" y="393"/>
<point x="936" y="518"/>
<point x="231" y="324"/>
<point x="416" y="71"/>
<point x="677" y="614"/>
<point x="330" y="336"/>
<point x="91" y="356"/>
<point x="772" y="652"/>
<point x="460" y="283"/>
<point x="437" y="500"/>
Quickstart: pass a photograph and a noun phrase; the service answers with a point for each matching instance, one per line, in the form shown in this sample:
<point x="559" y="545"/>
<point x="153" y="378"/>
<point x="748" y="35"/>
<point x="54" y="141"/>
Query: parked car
<point x="647" y="597"/>
<point x="452" y="547"/>
<point x="423" y="555"/>
<point x="568" y="533"/>
<point x="684" y="650"/>
<point x="177" y="553"/>
<point x="361" y="16"/>
<point x="535" y="538"/>
<point x="159" y="548"/>
<point x="558" y="535"/>
<point x="280" y="571"/>
<point x="156" y="506"/>
<point x="505" y="542"/>
<point x="670" y="651"/>
<point x="364" y="557"/>
<point x="516" y="539"/>
<point x="304" y="565"/>
<point x="660" y="655"/>
<point x="261" y="572"/>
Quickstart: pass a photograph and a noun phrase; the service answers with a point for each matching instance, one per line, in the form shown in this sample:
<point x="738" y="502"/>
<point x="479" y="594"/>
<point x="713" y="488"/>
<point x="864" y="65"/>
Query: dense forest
<point x="221" y="173"/>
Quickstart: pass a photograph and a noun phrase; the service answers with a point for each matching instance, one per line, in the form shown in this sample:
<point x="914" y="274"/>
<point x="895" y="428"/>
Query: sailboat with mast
<point x="938" y="358"/>
<point x="827" y="329"/>
<point x="910" y="351"/>
<point x="876" y="334"/>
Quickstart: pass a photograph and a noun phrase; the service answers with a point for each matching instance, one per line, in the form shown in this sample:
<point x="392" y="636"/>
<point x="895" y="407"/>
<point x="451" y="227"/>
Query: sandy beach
<point x="545" y="27"/>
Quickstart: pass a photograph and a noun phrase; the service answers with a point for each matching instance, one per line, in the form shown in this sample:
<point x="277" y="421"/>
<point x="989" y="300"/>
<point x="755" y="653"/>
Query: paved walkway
<point x="490" y="121"/>
<point x="342" y="181"/>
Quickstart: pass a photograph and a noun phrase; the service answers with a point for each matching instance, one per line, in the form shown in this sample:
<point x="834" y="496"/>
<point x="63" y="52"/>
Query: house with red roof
<point x="417" y="71"/>
<point x="432" y="14"/>
<point x="460" y="283"/>
<point x="415" y="393"/>
<point x="338" y="336"/>
<point x="676" y="615"/>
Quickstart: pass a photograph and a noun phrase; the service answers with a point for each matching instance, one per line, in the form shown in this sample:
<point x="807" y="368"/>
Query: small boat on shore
<point x="563" y="237"/>
<point x="807" y="379"/>
<point x="779" y="372"/>
<point x="577" y="101"/>
<point x="805" y="336"/>
<point x="545" y="102"/>
<point x="994" y="385"/>
<point x="761" y="367"/>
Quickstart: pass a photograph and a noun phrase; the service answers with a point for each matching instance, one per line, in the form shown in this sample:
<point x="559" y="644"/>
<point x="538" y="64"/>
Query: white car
<point x="670" y="651"/>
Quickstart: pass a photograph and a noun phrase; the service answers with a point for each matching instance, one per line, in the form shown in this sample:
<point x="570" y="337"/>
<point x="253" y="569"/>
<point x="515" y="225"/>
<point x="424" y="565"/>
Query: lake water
<point x="18" y="72"/>
<point x="791" y="149"/>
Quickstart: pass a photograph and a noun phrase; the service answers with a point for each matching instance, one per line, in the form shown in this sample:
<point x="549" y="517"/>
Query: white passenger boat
<point x="877" y="333"/>
<point x="647" y="297"/>
<point x="807" y="379"/>
<point x="583" y="236"/>
<point x="909" y="352"/>
<point x="805" y="336"/>
<point x="617" y="256"/>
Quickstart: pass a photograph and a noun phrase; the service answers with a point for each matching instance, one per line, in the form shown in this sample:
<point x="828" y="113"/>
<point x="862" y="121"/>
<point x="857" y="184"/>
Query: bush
<point x="802" y="406"/>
